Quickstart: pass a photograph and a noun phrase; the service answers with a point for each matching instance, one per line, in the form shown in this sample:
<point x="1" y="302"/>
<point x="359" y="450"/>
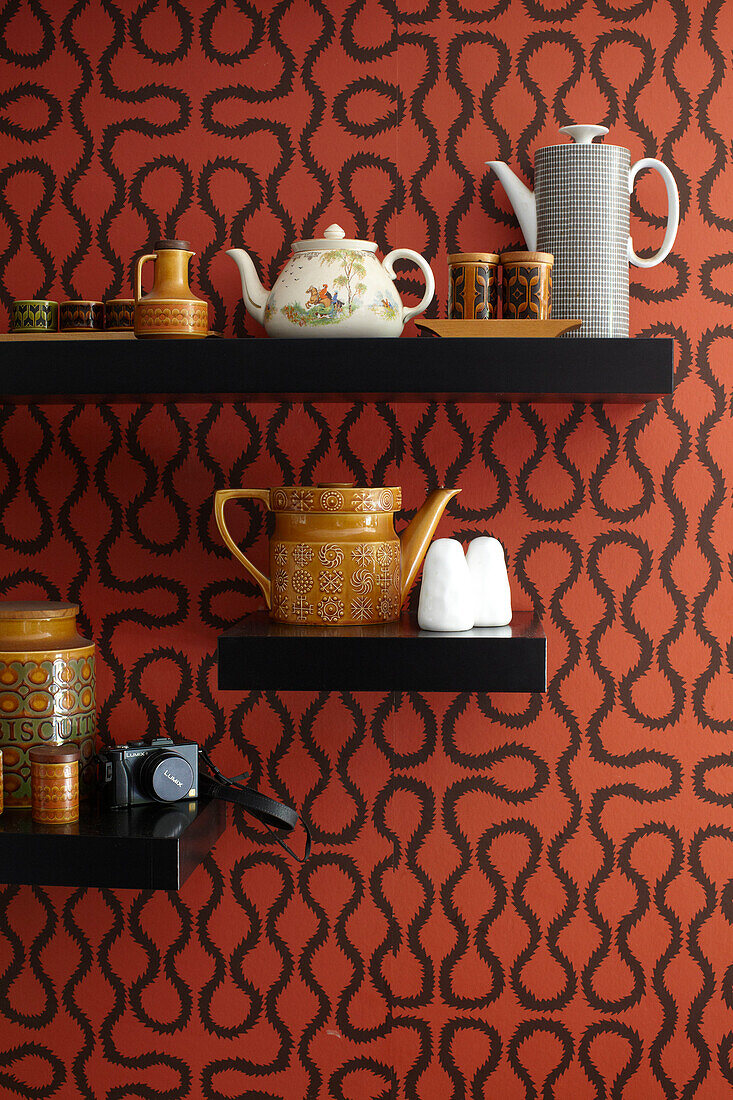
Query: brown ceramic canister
<point x="473" y="285"/>
<point x="82" y="316"/>
<point x="119" y="315"/>
<point x="54" y="784"/>
<point x="47" y="688"/>
<point x="526" y="292"/>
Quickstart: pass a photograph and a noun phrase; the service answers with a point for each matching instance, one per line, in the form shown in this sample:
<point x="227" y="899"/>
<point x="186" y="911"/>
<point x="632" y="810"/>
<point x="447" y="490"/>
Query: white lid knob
<point x="584" y="134"/>
<point x="336" y="233"/>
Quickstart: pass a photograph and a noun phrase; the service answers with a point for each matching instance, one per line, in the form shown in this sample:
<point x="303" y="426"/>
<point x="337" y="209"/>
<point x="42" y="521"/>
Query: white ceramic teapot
<point x="332" y="286"/>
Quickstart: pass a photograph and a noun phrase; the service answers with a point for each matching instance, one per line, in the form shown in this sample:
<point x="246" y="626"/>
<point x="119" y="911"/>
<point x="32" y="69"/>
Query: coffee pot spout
<point x="415" y="539"/>
<point x="522" y="200"/>
<point x="254" y="294"/>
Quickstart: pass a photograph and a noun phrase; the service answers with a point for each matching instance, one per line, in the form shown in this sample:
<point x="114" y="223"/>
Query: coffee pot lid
<point x="185" y="246"/>
<point x="584" y="133"/>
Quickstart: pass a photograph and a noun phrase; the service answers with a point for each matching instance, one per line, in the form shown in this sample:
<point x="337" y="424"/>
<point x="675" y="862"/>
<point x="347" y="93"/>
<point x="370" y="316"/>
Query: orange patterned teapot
<point x="335" y="559"/>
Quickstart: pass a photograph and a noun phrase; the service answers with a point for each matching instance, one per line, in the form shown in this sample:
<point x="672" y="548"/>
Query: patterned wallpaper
<point x="520" y="896"/>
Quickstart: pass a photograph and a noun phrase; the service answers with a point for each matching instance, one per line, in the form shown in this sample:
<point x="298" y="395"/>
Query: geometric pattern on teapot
<point x="336" y="499"/>
<point x="329" y="585"/>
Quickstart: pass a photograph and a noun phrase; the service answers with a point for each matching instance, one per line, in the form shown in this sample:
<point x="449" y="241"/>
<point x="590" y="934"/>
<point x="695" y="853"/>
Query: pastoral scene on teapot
<point x="343" y="292"/>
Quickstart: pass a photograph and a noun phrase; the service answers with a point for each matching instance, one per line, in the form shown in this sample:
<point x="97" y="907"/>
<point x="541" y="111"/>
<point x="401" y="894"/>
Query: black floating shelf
<point x="260" y="654"/>
<point x="418" y="369"/>
<point x="144" y="848"/>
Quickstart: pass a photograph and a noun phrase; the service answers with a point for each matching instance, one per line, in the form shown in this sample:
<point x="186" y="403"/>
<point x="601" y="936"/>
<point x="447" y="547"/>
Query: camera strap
<point x="270" y="813"/>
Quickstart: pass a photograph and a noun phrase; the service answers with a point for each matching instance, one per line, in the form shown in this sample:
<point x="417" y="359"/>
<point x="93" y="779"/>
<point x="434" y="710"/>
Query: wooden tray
<point x="501" y="329"/>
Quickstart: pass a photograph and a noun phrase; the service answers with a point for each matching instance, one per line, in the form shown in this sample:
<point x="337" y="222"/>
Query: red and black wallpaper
<point x="520" y="896"/>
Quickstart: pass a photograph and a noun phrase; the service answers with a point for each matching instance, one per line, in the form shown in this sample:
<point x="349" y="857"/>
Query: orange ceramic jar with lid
<point x="473" y="285"/>
<point x="527" y="286"/>
<point x="47" y="688"/>
<point x="54" y="784"/>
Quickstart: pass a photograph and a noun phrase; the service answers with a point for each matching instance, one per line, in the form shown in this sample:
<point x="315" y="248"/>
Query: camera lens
<point x="166" y="776"/>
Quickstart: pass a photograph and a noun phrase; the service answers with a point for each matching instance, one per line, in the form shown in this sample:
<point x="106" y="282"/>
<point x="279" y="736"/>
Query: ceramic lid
<point x="335" y="497"/>
<point x="583" y="133"/>
<point x="527" y="258"/>
<point x="583" y="138"/>
<point x="53" y="754"/>
<point x="333" y="237"/>
<point x="22" y="610"/>
<point x="34" y="302"/>
<point x="473" y="258"/>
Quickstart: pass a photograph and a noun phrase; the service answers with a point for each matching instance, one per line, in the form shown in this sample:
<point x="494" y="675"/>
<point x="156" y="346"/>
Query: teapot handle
<point x="220" y="499"/>
<point x="139" y="273"/>
<point x="408" y="254"/>
<point x="673" y="212"/>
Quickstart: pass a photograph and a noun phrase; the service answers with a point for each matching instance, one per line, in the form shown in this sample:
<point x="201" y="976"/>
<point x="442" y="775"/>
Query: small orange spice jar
<point x="54" y="784"/>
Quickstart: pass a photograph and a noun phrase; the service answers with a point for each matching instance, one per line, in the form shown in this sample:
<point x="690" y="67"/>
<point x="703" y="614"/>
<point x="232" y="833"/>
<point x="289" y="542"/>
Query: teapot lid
<point x="333" y="237"/>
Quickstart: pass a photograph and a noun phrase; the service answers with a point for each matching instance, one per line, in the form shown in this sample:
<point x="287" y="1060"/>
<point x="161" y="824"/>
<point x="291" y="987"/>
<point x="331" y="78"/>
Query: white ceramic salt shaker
<point x="446" y="596"/>
<point x="492" y="599"/>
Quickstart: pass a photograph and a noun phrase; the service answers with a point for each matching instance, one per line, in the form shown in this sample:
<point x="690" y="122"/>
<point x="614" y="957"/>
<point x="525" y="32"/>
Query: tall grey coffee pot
<point x="579" y="212"/>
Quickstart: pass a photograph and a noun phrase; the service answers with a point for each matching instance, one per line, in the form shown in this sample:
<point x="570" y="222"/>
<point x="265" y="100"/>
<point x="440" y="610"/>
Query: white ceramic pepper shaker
<point x="492" y="600"/>
<point x="446" y="596"/>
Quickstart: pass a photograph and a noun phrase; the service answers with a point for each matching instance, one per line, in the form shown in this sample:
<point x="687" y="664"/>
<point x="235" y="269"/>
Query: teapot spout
<point x="254" y="294"/>
<point x="522" y="200"/>
<point x="416" y="537"/>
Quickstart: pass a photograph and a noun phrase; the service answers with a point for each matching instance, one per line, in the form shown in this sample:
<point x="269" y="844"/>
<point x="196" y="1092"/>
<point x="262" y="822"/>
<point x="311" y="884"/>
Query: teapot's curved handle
<point x="408" y="254"/>
<point x="673" y="212"/>
<point x="138" y="291"/>
<point x="220" y="499"/>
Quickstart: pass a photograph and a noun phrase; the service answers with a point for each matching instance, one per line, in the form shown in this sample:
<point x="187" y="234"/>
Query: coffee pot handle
<point x="408" y="254"/>
<point x="220" y="499"/>
<point x="673" y="212"/>
<point x="139" y="273"/>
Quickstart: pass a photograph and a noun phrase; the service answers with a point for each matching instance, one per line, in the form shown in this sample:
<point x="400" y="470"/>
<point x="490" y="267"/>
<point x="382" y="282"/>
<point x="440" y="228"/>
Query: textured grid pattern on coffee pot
<point x="583" y="220"/>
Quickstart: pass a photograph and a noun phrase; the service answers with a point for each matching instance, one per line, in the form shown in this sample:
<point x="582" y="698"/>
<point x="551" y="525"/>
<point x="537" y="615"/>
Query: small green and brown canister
<point x="526" y="289"/>
<point x="47" y="689"/>
<point x="472" y="285"/>
<point x="54" y="784"/>
<point x="34" y="315"/>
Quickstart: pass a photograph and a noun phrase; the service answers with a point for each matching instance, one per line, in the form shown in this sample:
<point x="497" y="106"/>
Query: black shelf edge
<point x="260" y="654"/>
<point x="410" y="369"/>
<point x="144" y="848"/>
